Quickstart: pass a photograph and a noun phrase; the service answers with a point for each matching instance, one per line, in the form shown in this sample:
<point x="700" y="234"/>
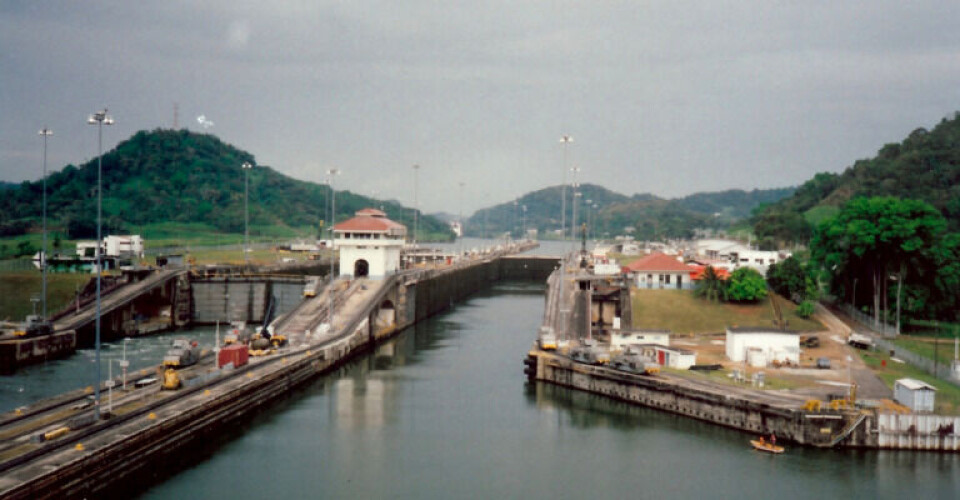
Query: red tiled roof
<point x="698" y="272"/>
<point x="370" y="220"/>
<point x="373" y="212"/>
<point x="658" y="262"/>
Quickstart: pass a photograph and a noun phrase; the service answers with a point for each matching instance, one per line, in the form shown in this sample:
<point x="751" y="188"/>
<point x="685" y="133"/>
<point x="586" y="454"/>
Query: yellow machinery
<point x="812" y="405"/>
<point x="171" y="379"/>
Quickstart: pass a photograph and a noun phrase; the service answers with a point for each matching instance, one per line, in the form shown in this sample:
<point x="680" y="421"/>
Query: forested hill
<point x="180" y="176"/>
<point x="925" y="166"/>
<point x="649" y="216"/>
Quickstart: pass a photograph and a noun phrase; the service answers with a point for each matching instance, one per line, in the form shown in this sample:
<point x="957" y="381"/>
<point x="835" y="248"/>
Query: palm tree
<point x="711" y="286"/>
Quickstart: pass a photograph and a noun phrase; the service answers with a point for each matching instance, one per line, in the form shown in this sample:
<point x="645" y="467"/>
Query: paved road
<point x="869" y="385"/>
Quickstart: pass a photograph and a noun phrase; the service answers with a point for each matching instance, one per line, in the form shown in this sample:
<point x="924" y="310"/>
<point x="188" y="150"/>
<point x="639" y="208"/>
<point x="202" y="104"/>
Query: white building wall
<point x="619" y="340"/>
<point x="775" y="346"/>
<point x="382" y="260"/>
<point x="666" y="280"/>
<point x="920" y="400"/>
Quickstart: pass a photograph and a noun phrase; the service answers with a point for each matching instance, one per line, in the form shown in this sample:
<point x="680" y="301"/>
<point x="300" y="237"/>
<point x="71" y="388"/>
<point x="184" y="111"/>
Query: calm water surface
<point x="443" y="411"/>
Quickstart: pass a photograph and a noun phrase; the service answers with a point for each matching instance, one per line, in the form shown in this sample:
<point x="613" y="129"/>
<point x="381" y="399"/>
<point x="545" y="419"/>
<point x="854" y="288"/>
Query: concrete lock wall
<point x="227" y="300"/>
<point x="826" y="428"/>
<point x="286" y="296"/>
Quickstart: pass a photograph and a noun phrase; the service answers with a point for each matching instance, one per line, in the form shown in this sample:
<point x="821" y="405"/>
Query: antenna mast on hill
<point x="176" y="116"/>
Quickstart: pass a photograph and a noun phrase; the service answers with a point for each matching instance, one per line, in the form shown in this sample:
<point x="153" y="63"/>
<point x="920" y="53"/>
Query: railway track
<point x="30" y="433"/>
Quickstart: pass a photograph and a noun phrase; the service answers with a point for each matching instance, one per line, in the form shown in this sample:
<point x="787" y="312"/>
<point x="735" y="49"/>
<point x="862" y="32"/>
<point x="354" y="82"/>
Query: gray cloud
<point x="665" y="97"/>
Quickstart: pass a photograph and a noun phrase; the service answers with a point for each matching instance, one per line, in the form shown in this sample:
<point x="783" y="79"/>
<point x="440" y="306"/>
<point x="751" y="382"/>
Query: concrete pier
<point x="55" y="451"/>
<point x="755" y="411"/>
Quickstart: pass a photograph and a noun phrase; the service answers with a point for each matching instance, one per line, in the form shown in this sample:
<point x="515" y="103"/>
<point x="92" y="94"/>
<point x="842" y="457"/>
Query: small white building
<point x="670" y="357"/>
<point x="915" y="394"/>
<point x="673" y="357"/>
<point x="124" y="246"/>
<point x="659" y="270"/>
<point x="620" y="339"/>
<point x="112" y="246"/>
<point x="761" y="346"/>
<point x="758" y="259"/>
<point x="369" y="244"/>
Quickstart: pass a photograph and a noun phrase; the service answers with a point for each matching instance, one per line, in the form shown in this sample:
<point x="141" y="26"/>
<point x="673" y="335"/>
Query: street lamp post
<point x="99" y="119"/>
<point x="416" y="170"/>
<point x="523" y="222"/>
<point x="573" y="226"/>
<point x="333" y="172"/>
<point x="460" y="219"/>
<point x="45" y="132"/>
<point x="593" y="213"/>
<point x="513" y="223"/>
<point x="566" y="139"/>
<point x="588" y="206"/>
<point x="485" y="212"/>
<point x="247" y="166"/>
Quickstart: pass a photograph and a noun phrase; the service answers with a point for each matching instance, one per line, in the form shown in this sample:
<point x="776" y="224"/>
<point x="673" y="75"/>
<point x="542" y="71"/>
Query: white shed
<point x="622" y="338"/>
<point x="672" y="357"/>
<point x="773" y="345"/>
<point x="914" y="394"/>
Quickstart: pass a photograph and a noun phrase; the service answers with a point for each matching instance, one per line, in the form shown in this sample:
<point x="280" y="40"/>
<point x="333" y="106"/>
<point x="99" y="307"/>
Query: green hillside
<point x="925" y="166"/>
<point x="182" y="178"/>
<point x="649" y="216"/>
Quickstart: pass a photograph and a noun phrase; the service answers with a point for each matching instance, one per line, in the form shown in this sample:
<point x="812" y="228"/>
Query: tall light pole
<point x="45" y="132"/>
<point x="566" y="139"/>
<point x="333" y="172"/>
<point x="460" y="219"/>
<point x="523" y="222"/>
<point x="593" y="213"/>
<point x="247" y="166"/>
<point x="513" y="223"/>
<point x="573" y="226"/>
<point x="587" y="207"/>
<point x="416" y="206"/>
<point x="485" y="212"/>
<point x="99" y="119"/>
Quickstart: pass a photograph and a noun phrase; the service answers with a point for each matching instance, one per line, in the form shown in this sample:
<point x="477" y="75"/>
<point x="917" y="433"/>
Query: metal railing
<point x="868" y="321"/>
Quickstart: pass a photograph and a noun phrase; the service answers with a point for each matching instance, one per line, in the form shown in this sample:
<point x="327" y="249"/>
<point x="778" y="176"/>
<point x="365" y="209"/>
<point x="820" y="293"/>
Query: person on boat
<point x="773" y="439"/>
<point x="762" y="442"/>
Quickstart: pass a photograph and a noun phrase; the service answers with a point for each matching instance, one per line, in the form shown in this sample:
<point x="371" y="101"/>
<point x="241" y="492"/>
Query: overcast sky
<point x="663" y="97"/>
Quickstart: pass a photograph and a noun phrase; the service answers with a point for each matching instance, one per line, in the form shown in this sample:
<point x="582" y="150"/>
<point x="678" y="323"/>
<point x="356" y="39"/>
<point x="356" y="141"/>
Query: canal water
<point x="34" y="382"/>
<point x="443" y="411"/>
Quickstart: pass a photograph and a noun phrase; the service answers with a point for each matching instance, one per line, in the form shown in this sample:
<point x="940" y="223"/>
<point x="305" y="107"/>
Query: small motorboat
<point x="763" y="445"/>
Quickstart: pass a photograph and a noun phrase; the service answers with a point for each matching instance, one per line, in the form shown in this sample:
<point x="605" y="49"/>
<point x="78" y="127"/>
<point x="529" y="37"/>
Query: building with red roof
<point x="698" y="271"/>
<point x="369" y="244"/>
<point x="659" y="270"/>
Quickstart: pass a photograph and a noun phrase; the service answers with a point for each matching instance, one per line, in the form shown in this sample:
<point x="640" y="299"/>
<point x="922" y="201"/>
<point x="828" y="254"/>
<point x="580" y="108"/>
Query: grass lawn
<point x="770" y="383"/>
<point x="17" y="287"/>
<point x="680" y="312"/>
<point x="924" y="346"/>
<point x="948" y="395"/>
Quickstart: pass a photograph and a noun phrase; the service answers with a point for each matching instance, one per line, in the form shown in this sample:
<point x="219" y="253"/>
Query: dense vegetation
<point x="183" y="177"/>
<point x="745" y="284"/>
<point x="886" y="248"/>
<point x="645" y="216"/>
<point x="925" y="167"/>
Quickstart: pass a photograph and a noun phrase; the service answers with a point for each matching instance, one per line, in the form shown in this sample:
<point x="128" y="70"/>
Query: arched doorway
<point x="387" y="314"/>
<point x="361" y="268"/>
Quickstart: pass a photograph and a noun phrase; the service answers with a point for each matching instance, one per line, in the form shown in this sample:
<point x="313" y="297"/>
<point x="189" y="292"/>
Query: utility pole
<point x="565" y="140"/>
<point x="45" y="132"/>
<point x="99" y="119"/>
<point x="416" y="205"/>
